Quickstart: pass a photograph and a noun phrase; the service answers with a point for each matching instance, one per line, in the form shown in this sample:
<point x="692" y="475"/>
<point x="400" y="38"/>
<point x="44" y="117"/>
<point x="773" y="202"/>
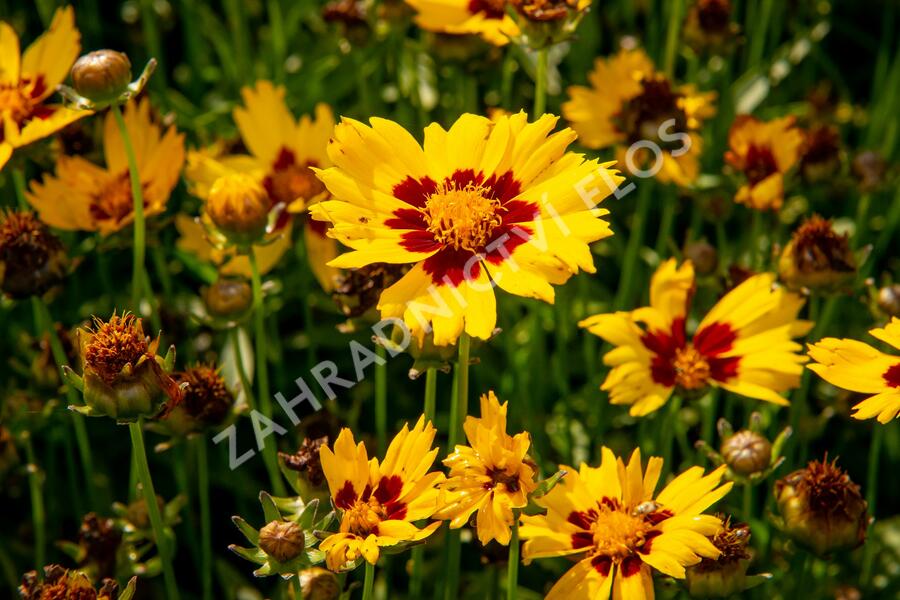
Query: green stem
<point x="418" y="552"/>
<point x="625" y="293"/>
<point x="430" y="393"/>
<point x="672" y="33"/>
<point x="667" y="435"/>
<point x="862" y="219"/>
<point x="242" y="372"/>
<point x="148" y="492"/>
<point x="153" y="42"/>
<point x="262" y="373"/>
<point x="753" y="246"/>
<point x="458" y="411"/>
<point x="38" y="516"/>
<point x="276" y="27"/>
<point x="747" y="508"/>
<point x="667" y="220"/>
<point x="381" y="400"/>
<point x="512" y="572"/>
<point x="295" y="585"/>
<point x="758" y="39"/>
<point x="206" y="554"/>
<point x="540" y="84"/>
<point x="137" y="195"/>
<point x="18" y="177"/>
<point x="369" y="584"/>
<point x="871" y="498"/>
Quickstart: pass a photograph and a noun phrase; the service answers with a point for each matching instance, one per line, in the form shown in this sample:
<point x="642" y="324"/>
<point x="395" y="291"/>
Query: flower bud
<point x="239" y="208"/>
<point x="228" y="298"/>
<point x="123" y="376"/>
<point x="817" y="257"/>
<point x="725" y="576"/>
<point x="317" y="583"/>
<point x="703" y="255"/>
<point x="822" y="508"/>
<point x="546" y="22"/>
<point x="747" y="452"/>
<point x="282" y="540"/>
<point x="869" y="168"/>
<point x="32" y="260"/>
<point x="102" y="76"/>
<point x="709" y="27"/>
<point x="889" y="299"/>
<point x="137" y="515"/>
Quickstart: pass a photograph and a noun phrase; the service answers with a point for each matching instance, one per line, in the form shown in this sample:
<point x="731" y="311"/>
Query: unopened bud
<point x="282" y="540"/>
<point x="703" y="255"/>
<point x="102" y="76"/>
<point x="239" y="207"/>
<point x="228" y="298"/>
<point x="747" y="452"/>
<point x="317" y="583"/>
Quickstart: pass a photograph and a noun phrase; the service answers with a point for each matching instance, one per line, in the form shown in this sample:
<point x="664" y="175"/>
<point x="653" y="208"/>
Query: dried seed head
<point x="747" y="452"/>
<point x="115" y="344"/>
<point x="239" y="207"/>
<point x="822" y="508"/>
<point x="282" y="540"/>
<point x="32" y="260"/>
<point x="206" y="397"/>
<point x="317" y="583"/>
<point x="102" y="76"/>
<point x="306" y="460"/>
<point x="817" y="257"/>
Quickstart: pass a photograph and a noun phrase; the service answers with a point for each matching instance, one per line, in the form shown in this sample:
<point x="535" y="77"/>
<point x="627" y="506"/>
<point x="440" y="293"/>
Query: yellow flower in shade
<point x="764" y="151"/>
<point x="628" y="101"/>
<point x="492" y="475"/>
<point x="608" y="517"/>
<point x="29" y="79"/>
<point x="283" y="153"/>
<point x="486" y="203"/>
<point x="742" y="345"/>
<point x="486" y="18"/>
<point x="378" y="502"/>
<point x="858" y="367"/>
<point x="83" y="196"/>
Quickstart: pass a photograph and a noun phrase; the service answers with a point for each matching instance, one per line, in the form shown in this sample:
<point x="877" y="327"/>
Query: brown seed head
<point x="102" y="75"/>
<point x="114" y="344"/>
<point x="870" y="169"/>
<point x="539" y="10"/>
<point x="282" y="540"/>
<point x="60" y="584"/>
<point x="821" y="153"/>
<point x="32" y="260"/>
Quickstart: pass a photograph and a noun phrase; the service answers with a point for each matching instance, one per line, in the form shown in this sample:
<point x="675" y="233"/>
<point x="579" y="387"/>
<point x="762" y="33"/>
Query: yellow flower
<point x="378" y="502"/>
<point x="238" y="208"/>
<point x="742" y="345"/>
<point x="858" y="367"/>
<point x="609" y="518"/>
<point x="491" y="475"/>
<point x="27" y="81"/>
<point x="628" y="101"/>
<point x="283" y="152"/>
<point x="764" y="151"/>
<point x="486" y="18"/>
<point x="485" y="203"/>
<point x="83" y="196"/>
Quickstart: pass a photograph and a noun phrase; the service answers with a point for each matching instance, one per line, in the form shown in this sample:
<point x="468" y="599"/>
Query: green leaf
<point x="249" y="532"/>
<point x="270" y="511"/>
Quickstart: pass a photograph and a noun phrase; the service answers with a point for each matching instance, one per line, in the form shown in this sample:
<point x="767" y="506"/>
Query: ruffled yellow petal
<point x="52" y="54"/>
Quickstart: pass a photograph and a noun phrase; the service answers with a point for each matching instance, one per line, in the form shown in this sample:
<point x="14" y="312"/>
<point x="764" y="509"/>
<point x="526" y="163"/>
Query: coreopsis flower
<point x="725" y="576"/>
<point x="485" y="18"/>
<point x="283" y="151"/>
<point x="82" y="196"/>
<point x="764" y="152"/>
<point x="123" y="376"/>
<point x="822" y="509"/>
<point x="28" y="80"/>
<point x="60" y="583"/>
<point x="742" y="345"/>
<point x="858" y="367"/>
<point x="628" y="101"/>
<point x="32" y="259"/>
<point x="379" y="502"/>
<point x="492" y="475"/>
<point x="237" y="212"/>
<point x="817" y="257"/>
<point x="709" y="28"/>
<point x="487" y="202"/>
<point x="608" y="518"/>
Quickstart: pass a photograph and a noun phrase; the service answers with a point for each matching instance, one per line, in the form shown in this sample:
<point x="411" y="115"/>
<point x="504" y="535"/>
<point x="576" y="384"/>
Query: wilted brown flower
<point x="544" y="10"/>
<point x="822" y="508"/>
<point x="709" y="27"/>
<point x="306" y="460"/>
<point x="102" y="76"/>
<point x="725" y="576"/>
<point x="32" y="260"/>
<point x="747" y="452"/>
<point x="817" y="257"/>
<point x="99" y="540"/>
<point x="282" y="540"/>
<point x="62" y="584"/>
<point x="820" y="155"/>
<point x="317" y="583"/>
<point x="205" y="397"/>
<point x="358" y="290"/>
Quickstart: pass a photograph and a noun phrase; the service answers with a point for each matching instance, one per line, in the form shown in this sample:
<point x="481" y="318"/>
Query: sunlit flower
<point x="29" y="79"/>
<point x="859" y="367"/>
<point x="608" y="518"/>
<point x="486" y="18"/>
<point x="379" y="502"/>
<point x="628" y="101"/>
<point x="487" y="202"/>
<point x="742" y="345"/>
<point x="282" y="154"/>
<point x="86" y="197"/>
<point x="492" y="475"/>
<point x="764" y="151"/>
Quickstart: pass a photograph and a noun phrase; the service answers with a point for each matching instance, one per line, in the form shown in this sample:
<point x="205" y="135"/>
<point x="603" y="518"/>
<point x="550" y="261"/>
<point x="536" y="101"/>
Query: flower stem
<point x="38" y="516"/>
<point x="262" y="373"/>
<point x="871" y="497"/>
<point x="540" y="84"/>
<point x="298" y="589"/>
<point x="206" y="554"/>
<point x="747" y="508"/>
<point x="369" y="584"/>
<point x="18" y="177"/>
<point x="512" y="569"/>
<point x="430" y="393"/>
<point x="418" y="552"/>
<point x="625" y="293"/>
<point x="674" y="28"/>
<point x="458" y="411"/>
<point x="137" y="196"/>
<point x="149" y="494"/>
<point x="381" y="400"/>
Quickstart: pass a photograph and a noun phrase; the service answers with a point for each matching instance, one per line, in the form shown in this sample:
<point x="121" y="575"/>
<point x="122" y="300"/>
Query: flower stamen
<point x="462" y="218"/>
<point x="692" y="371"/>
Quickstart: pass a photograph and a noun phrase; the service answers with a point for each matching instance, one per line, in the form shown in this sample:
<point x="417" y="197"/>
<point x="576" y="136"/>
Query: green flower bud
<point x="102" y="76"/>
<point x="747" y="452"/>
<point x="317" y="583"/>
<point x="282" y="540"/>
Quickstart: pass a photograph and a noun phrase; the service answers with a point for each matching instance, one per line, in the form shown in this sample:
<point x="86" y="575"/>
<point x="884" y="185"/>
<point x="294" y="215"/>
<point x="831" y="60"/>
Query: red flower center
<point x="691" y="366"/>
<point x="892" y="376"/>
<point x="290" y="180"/>
<point x="492" y="9"/>
<point x="759" y="164"/>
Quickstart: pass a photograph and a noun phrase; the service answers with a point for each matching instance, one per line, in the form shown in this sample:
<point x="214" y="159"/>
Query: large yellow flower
<point x="491" y="475"/>
<point x="858" y="367"/>
<point x="609" y="517"/>
<point x="485" y="203"/>
<point x="283" y="152"/>
<point x="87" y="197"/>
<point x="27" y="81"/>
<point x="764" y="151"/>
<point x="378" y="502"/>
<point x="486" y="18"/>
<point x="627" y="102"/>
<point x="742" y="345"/>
